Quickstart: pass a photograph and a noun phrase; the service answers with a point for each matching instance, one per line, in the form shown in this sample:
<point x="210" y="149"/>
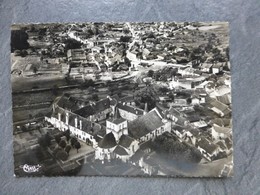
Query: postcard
<point x="122" y="99"/>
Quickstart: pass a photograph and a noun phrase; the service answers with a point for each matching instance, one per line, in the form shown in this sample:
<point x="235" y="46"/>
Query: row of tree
<point x="63" y="147"/>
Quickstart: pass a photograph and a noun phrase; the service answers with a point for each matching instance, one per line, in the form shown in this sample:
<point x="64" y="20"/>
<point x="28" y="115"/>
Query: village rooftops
<point x="116" y="121"/>
<point x="221" y="145"/>
<point x="145" y="124"/>
<point x="224" y="130"/>
<point x="130" y="109"/>
<point x="217" y="106"/>
<point x="125" y="141"/>
<point x="228" y="142"/>
<point x="178" y="128"/>
<point x="94" y="108"/>
<point x="83" y="124"/>
<point x="69" y="103"/>
<point x="207" y="145"/>
<point x="221" y="122"/>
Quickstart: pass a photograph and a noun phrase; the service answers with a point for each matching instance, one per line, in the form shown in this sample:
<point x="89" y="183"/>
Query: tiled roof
<point x="68" y="103"/>
<point x="130" y="109"/>
<point x="177" y="128"/>
<point x="207" y="145"/>
<point x="117" y="120"/>
<point x="120" y="151"/>
<point x="228" y="143"/>
<point x="145" y="124"/>
<point x="94" y="108"/>
<point x="125" y="141"/>
<point x="85" y="111"/>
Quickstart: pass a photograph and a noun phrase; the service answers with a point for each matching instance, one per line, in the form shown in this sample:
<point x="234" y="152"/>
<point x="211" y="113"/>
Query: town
<point x="122" y="99"/>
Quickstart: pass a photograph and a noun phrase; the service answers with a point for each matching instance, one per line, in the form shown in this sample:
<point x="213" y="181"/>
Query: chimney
<point x="59" y="116"/>
<point x="145" y="108"/>
<point x="76" y="122"/>
<point x="67" y="118"/>
<point x="80" y="124"/>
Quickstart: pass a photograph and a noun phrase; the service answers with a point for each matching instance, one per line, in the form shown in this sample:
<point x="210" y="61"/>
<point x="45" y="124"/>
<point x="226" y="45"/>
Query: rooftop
<point x="145" y="124"/>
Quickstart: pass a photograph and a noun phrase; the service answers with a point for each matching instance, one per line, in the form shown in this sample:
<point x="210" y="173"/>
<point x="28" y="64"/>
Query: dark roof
<point x="217" y="104"/>
<point x="228" y="143"/>
<point x="145" y="124"/>
<point x="102" y="105"/>
<point x="207" y="145"/>
<point x="174" y="112"/>
<point x="85" y="111"/>
<point x="221" y="122"/>
<point x="193" y="118"/>
<point x="108" y="141"/>
<point x="120" y="151"/>
<point x="221" y="145"/>
<point x="116" y="121"/>
<point x="177" y="128"/>
<point x="94" y="108"/>
<point x="127" y="99"/>
<point x="137" y="156"/>
<point x="125" y="141"/>
<point x="131" y="109"/>
<point x="68" y="103"/>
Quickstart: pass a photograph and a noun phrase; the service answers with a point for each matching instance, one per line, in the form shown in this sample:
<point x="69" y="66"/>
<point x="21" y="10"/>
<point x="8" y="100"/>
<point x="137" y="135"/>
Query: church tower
<point x="117" y="125"/>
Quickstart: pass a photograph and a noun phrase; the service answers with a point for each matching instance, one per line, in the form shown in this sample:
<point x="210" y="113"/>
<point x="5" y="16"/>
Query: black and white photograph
<point x="122" y="99"/>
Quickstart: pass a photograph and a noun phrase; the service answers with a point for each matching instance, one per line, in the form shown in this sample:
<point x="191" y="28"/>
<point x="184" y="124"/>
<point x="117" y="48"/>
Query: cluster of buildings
<point x="115" y="129"/>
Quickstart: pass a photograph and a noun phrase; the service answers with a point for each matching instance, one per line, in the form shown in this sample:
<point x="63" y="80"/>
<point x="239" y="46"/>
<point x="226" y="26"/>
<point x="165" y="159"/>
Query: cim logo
<point x="30" y="168"/>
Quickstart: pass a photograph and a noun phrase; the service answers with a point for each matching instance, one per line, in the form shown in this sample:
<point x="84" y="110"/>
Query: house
<point x="181" y="83"/>
<point x="147" y="127"/>
<point x="217" y="68"/>
<point x="116" y="144"/>
<point x="79" y="127"/>
<point x="178" y="130"/>
<point x="96" y="111"/>
<point x="191" y="135"/>
<point x="220" y="133"/>
<point x="76" y="55"/>
<point x="106" y="147"/>
<point x="206" y="67"/>
<point x="199" y="124"/>
<point x="129" y="112"/>
<point x="208" y="149"/>
<point x="219" y="108"/>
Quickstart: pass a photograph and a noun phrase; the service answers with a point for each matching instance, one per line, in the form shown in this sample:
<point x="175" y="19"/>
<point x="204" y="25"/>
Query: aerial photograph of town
<point x="122" y="99"/>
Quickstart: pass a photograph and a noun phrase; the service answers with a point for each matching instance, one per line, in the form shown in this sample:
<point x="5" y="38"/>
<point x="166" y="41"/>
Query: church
<point x="126" y="127"/>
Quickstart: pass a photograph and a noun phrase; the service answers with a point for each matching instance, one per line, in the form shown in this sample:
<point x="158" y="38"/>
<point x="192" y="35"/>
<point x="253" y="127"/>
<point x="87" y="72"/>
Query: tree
<point x="67" y="148"/>
<point x="35" y="69"/>
<point x="72" y="44"/>
<point x="62" y="144"/>
<point x="77" y="146"/>
<point x="67" y="134"/>
<point x="73" y="140"/>
<point x="47" y="138"/>
<point x="62" y="155"/>
<point x="150" y="73"/>
<point x="57" y="138"/>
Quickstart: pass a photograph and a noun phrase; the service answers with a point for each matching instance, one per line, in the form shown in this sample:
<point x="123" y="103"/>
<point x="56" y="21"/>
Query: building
<point x="129" y="112"/>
